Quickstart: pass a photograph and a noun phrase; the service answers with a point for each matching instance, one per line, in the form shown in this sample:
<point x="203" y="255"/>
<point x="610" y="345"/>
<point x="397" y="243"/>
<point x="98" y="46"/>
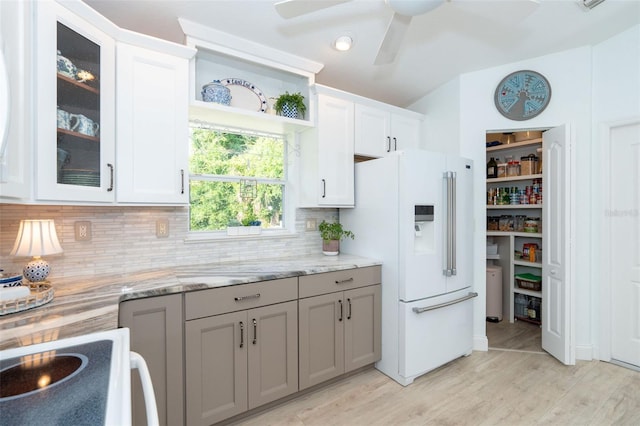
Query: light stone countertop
<point x="83" y="306"/>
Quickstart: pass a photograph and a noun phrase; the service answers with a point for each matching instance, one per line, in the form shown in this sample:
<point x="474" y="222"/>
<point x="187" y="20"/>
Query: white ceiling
<point x="459" y="36"/>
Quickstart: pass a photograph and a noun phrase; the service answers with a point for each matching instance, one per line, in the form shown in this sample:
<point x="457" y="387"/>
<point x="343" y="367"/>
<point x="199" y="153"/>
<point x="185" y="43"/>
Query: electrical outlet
<point x="162" y="228"/>
<point x="82" y="230"/>
<point x="311" y="225"/>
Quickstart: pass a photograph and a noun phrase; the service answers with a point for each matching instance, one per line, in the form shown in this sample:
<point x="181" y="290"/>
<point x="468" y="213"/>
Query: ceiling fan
<point x="404" y="11"/>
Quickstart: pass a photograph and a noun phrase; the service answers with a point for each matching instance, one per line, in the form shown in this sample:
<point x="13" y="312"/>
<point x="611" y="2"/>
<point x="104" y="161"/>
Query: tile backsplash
<point x="123" y="239"/>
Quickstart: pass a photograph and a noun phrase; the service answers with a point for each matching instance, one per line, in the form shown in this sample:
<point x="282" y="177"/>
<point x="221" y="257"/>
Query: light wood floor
<point x="487" y="388"/>
<point x="519" y="335"/>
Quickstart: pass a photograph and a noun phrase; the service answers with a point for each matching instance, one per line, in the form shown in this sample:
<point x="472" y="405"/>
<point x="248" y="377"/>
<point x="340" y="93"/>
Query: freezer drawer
<point x="435" y="331"/>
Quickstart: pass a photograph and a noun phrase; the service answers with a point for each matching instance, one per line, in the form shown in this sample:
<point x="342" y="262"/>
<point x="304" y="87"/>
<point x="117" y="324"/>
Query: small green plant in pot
<point x="331" y="234"/>
<point x="290" y="105"/>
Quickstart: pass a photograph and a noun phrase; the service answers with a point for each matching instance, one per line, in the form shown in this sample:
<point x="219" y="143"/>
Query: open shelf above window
<point x="267" y="72"/>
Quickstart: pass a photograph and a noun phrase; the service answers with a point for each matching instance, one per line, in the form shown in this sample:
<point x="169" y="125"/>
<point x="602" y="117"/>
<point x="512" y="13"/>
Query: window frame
<point x="287" y="221"/>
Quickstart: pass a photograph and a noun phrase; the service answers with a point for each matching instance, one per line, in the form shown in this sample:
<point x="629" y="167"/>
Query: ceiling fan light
<point x="343" y="43"/>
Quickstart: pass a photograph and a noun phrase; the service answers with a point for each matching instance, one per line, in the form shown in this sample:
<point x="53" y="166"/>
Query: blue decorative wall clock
<point x="522" y="95"/>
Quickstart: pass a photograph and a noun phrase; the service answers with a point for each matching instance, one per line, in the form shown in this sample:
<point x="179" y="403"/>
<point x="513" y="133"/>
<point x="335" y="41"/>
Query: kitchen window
<point x="237" y="178"/>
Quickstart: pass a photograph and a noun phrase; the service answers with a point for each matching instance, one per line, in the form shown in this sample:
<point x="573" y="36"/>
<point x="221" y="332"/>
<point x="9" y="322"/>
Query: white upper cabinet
<point x="74" y="112"/>
<point x="65" y="143"/>
<point x="16" y="89"/>
<point x="380" y="130"/>
<point x="152" y="131"/>
<point x="326" y="154"/>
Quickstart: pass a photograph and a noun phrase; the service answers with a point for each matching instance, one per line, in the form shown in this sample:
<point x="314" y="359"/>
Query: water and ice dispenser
<point x="424" y="229"/>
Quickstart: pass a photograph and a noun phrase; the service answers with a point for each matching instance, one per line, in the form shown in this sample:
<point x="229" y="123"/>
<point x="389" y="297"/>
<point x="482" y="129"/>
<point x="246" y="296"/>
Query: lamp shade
<point x="36" y="238"/>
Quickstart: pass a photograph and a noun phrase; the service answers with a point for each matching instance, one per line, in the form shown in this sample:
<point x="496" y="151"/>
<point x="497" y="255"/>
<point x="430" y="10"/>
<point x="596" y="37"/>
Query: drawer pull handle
<point x="241" y="334"/>
<point x="241" y="298"/>
<point x="340" y="302"/>
<point x="348" y="280"/>
<point x="255" y="331"/>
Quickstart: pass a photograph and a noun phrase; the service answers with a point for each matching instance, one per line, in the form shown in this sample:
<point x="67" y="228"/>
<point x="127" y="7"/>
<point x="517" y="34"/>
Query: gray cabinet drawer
<point x="200" y="304"/>
<point x="329" y="282"/>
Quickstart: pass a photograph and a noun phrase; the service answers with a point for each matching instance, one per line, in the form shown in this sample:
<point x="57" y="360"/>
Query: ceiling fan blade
<point x="293" y="8"/>
<point x="392" y="41"/>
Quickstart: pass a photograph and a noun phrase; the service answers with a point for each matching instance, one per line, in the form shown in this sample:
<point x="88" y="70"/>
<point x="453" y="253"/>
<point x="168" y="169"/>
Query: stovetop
<point x="68" y="385"/>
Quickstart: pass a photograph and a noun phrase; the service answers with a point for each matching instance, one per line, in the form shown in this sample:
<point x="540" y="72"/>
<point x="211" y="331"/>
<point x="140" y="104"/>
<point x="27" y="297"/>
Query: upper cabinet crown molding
<point x="361" y="100"/>
<point x="198" y="34"/>
<point x="153" y="43"/>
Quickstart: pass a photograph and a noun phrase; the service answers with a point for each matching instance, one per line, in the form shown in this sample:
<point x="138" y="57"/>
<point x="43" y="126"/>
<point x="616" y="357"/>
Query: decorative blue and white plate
<point x="245" y="95"/>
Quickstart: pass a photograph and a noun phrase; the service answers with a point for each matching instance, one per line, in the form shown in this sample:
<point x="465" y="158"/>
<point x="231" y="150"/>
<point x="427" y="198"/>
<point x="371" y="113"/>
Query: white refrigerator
<point x="413" y="211"/>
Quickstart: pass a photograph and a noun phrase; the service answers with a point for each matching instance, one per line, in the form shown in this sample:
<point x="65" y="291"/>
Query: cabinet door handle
<point x="241" y="334"/>
<point x="388" y="143"/>
<point x="182" y="181"/>
<point x="340" y="302"/>
<point x="241" y="298"/>
<point x="349" y="309"/>
<point x="110" y="166"/>
<point x="344" y="281"/>
<point x="255" y="331"/>
<point x="395" y="144"/>
<point x="324" y="188"/>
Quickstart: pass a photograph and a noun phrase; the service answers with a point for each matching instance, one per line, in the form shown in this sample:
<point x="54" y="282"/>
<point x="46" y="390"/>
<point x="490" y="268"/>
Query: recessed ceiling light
<point x="343" y="43"/>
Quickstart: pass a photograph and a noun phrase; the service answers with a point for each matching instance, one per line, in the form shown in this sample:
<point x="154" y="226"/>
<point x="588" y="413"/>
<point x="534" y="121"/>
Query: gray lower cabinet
<point x="217" y="353"/>
<point x="155" y="327"/>
<point x="240" y="360"/>
<point x="338" y="331"/>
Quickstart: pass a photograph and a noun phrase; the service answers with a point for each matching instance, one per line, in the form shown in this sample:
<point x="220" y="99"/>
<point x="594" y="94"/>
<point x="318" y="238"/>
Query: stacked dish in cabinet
<point x="78" y="111"/>
<point x="514" y="226"/>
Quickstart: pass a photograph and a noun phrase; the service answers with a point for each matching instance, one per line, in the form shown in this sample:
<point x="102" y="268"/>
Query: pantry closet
<point x="525" y="242"/>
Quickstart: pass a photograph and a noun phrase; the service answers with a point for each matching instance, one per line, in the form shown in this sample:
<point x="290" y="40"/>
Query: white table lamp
<point x="36" y="238"/>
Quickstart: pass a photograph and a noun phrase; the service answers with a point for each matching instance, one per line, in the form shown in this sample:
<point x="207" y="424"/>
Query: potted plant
<point x="331" y="234"/>
<point x="290" y="105"/>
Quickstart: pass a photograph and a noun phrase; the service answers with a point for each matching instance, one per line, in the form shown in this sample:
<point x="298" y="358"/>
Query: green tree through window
<point x="235" y="178"/>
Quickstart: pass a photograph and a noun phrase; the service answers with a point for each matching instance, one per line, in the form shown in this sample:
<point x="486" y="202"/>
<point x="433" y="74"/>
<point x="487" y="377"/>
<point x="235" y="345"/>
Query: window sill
<point x="203" y="237"/>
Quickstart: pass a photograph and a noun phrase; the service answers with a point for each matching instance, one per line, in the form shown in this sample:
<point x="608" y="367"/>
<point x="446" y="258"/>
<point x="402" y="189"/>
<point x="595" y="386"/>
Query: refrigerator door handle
<point x="447" y="249"/>
<point x="452" y="242"/>
<point x="471" y="295"/>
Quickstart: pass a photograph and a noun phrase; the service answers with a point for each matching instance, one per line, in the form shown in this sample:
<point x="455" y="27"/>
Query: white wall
<point x="441" y="127"/>
<point x="590" y="86"/>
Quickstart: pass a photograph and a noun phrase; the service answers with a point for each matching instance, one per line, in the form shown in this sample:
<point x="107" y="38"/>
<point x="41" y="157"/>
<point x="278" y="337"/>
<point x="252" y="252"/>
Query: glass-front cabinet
<point x="75" y="108"/>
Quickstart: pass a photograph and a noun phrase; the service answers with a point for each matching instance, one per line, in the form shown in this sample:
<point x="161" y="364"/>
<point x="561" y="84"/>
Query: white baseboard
<point x="480" y="343"/>
<point x="586" y="352"/>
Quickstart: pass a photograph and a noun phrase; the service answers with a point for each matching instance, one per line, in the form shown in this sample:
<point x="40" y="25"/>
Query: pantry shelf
<point x="515" y="234"/>
<point x="520" y="144"/>
<point x="514" y="206"/>
<point x="527" y="263"/>
<point x="514" y="178"/>
<point x="527" y="292"/>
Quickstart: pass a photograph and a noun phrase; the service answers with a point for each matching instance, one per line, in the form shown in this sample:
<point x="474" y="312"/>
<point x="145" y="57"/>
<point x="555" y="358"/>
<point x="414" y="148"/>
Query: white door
<point x="556" y="229"/>
<point x="624" y="242"/>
